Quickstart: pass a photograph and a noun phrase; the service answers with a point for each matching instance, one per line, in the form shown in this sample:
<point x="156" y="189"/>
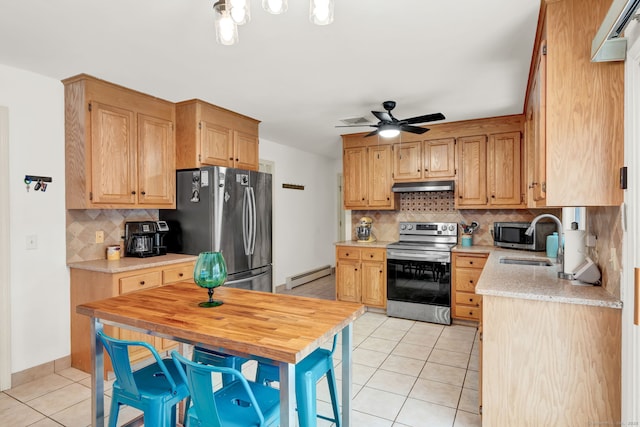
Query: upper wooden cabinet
<point x="209" y="135"/>
<point x="574" y="111"/>
<point x="119" y="147"/>
<point x="490" y="174"/>
<point x="367" y="174"/>
<point x="424" y="160"/>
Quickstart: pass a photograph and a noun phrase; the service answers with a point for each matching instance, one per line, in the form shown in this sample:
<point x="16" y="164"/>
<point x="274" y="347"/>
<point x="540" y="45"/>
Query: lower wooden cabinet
<point x="467" y="267"/>
<point x="361" y="275"/>
<point x="88" y="285"/>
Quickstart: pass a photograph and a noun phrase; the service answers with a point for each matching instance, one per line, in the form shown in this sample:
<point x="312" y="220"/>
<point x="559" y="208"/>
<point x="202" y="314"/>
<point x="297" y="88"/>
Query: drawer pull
<point x="470" y="262"/>
<point x="471" y="313"/>
<point x="470" y="281"/>
<point x="142" y="282"/>
<point x="371" y="256"/>
<point x="180" y="274"/>
<point x="470" y="299"/>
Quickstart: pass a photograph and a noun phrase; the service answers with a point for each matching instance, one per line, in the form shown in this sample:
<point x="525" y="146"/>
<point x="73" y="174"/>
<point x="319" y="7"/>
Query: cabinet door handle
<point x="143" y="193"/>
<point x="347" y="254"/>
<point x="141" y="282"/>
<point x="133" y="192"/>
<point x="230" y="158"/>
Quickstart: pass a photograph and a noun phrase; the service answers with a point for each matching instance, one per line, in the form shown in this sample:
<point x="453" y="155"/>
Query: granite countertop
<point x="131" y="263"/>
<point x="376" y="244"/>
<point x="534" y="282"/>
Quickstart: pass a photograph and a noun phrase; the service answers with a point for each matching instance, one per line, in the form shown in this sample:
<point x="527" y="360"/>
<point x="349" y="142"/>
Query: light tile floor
<point x="405" y="374"/>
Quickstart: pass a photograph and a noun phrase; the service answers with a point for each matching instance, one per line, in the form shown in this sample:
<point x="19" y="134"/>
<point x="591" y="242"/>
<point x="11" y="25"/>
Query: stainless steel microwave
<point x="512" y="235"/>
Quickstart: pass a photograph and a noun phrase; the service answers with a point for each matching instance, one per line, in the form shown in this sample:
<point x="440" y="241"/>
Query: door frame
<point x="631" y="250"/>
<point x="5" y="260"/>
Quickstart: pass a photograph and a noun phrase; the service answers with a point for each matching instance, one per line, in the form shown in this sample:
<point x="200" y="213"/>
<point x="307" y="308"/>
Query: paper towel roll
<point x="574" y="249"/>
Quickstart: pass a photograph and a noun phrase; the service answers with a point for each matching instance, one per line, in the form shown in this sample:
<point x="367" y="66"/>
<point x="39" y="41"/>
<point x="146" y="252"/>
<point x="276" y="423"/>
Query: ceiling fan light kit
<point x="389" y="127"/>
<point x="231" y="13"/>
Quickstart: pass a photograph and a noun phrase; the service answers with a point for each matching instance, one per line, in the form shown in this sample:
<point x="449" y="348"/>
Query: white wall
<point x="39" y="282"/>
<point x="304" y="221"/>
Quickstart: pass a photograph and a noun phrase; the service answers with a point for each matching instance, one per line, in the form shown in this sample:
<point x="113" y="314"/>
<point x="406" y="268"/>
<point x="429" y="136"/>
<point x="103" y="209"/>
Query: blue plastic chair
<point x="155" y="389"/>
<point x="308" y="372"/>
<point x="240" y="403"/>
<point x="210" y="357"/>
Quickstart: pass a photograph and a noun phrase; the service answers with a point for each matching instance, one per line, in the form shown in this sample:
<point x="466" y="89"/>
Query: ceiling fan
<point x="388" y="126"/>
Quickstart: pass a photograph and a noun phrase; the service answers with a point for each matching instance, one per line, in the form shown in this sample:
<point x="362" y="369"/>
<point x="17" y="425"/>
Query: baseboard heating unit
<point x="308" y="276"/>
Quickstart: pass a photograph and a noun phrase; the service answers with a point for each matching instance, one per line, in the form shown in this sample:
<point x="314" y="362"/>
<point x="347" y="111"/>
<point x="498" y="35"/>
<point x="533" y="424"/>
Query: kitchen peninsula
<point x="551" y="350"/>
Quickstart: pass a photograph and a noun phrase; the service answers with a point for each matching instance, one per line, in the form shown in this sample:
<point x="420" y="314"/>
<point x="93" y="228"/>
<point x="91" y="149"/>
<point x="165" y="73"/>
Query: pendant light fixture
<point x="231" y="13"/>
<point x="226" y="28"/>
<point x="321" y="12"/>
<point x="275" y="7"/>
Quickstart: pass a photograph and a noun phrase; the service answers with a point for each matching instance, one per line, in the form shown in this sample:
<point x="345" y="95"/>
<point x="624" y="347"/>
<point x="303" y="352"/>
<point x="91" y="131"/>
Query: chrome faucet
<point x="560" y="255"/>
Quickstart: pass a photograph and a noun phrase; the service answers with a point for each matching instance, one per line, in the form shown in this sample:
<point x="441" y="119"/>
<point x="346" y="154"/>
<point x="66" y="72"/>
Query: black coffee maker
<point x="145" y="238"/>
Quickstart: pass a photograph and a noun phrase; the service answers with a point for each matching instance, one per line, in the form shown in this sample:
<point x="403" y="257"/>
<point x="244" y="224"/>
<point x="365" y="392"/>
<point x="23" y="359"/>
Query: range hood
<point x="607" y="45"/>
<point x="412" y="187"/>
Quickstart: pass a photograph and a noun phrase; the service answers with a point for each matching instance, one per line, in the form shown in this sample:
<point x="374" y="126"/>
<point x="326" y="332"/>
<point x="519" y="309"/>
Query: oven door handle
<point x="413" y="256"/>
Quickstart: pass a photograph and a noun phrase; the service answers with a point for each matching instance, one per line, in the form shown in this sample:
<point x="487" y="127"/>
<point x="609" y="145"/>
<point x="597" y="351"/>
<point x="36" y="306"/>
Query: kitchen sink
<point x="526" y="261"/>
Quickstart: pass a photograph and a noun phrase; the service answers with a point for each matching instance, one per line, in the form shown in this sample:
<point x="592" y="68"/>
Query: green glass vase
<point x="210" y="272"/>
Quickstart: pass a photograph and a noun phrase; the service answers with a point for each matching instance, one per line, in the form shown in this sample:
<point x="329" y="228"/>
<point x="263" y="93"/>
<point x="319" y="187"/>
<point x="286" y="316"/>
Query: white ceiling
<point x="465" y="58"/>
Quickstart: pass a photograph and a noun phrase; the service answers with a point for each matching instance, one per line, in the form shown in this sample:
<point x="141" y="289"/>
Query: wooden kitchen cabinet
<point x="89" y="285"/>
<point x="367" y="174"/>
<point x="208" y="135"/>
<point x="559" y="362"/>
<point x="490" y="174"/>
<point x="361" y="275"/>
<point x="424" y="160"/>
<point x="466" y="268"/>
<point x="575" y="111"/>
<point x="119" y="147"/>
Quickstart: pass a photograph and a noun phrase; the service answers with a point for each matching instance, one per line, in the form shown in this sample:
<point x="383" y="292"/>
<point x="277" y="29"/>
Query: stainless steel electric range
<point x="419" y="271"/>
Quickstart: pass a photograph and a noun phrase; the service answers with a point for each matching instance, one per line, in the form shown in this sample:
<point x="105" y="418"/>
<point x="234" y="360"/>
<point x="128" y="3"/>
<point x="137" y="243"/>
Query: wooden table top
<point x="284" y="328"/>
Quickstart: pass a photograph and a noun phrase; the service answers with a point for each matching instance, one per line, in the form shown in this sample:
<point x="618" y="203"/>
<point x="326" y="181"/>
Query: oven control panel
<point x="429" y="228"/>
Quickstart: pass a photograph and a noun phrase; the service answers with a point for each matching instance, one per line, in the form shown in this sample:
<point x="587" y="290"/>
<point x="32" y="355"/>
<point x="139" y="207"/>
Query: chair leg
<point x="113" y="415"/>
<point x="333" y="391"/>
<point x="306" y="400"/>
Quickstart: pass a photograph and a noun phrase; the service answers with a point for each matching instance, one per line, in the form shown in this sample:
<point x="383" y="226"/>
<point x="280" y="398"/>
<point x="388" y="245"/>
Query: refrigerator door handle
<point x="246" y="232"/>
<point x="252" y="224"/>
<point x="247" y="279"/>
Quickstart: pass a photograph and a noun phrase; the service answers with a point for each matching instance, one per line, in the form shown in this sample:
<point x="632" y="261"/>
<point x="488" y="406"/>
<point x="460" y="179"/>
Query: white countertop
<point x="131" y="263"/>
<point x="535" y="282"/>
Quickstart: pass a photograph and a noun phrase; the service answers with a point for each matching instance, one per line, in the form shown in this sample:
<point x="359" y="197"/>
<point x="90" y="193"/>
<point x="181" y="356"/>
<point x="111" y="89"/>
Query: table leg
<point x="287" y="395"/>
<point x="97" y="376"/>
<point x="347" y="374"/>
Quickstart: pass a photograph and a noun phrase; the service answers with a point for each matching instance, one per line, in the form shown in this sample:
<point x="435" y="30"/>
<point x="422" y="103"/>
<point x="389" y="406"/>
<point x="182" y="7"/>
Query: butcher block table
<point x="279" y="328"/>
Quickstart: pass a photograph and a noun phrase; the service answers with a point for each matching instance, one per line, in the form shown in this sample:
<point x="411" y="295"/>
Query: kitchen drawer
<point x="465" y="261"/>
<point x="373" y="255"/>
<point x="468" y="312"/>
<point x="140" y="281"/>
<point x="466" y="279"/>
<point x="178" y="274"/>
<point x="469" y="299"/>
<point x="348" y="253"/>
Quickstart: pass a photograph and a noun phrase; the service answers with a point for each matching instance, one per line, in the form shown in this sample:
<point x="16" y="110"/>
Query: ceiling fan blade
<point x="383" y="116"/>
<point x="425" y="118"/>
<point x="373" y="132"/>
<point x="413" y="129"/>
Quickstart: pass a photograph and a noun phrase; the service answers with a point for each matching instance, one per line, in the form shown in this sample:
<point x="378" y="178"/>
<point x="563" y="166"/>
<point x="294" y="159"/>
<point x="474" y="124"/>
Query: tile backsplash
<point x="83" y="224"/>
<point x="603" y="222"/>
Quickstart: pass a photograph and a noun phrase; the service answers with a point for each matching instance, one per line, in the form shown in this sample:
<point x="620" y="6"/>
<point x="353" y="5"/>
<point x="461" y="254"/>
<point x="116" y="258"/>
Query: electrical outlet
<point x="99" y="236"/>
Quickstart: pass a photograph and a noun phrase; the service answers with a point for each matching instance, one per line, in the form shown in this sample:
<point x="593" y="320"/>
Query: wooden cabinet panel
<point x="466" y="279"/>
<point x="216" y="144"/>
<point x="577" y="107"/>
<point x="210" y="135"/>
<point x="467" y="298"/>
<point x="407" y="165"/>
<point x="361" y="275"/>
<point x="504" y="160"/>
<point x="178" y="274"/>
<point x="439" y="160"/>
<point x="380" y="172"/>
<point x="463" y="311"/>
<point x="140" y="281"/>
<point x="469" y="261"/>
<point x="354" y="163"/>
<point x="113" y="154"/>
<point x="119" y="147"/>
<point x="472" y="176"/>
<point x="156" y="160"/>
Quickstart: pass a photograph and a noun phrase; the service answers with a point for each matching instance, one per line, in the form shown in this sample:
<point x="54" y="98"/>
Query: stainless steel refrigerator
<point x="225" y="210"/>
